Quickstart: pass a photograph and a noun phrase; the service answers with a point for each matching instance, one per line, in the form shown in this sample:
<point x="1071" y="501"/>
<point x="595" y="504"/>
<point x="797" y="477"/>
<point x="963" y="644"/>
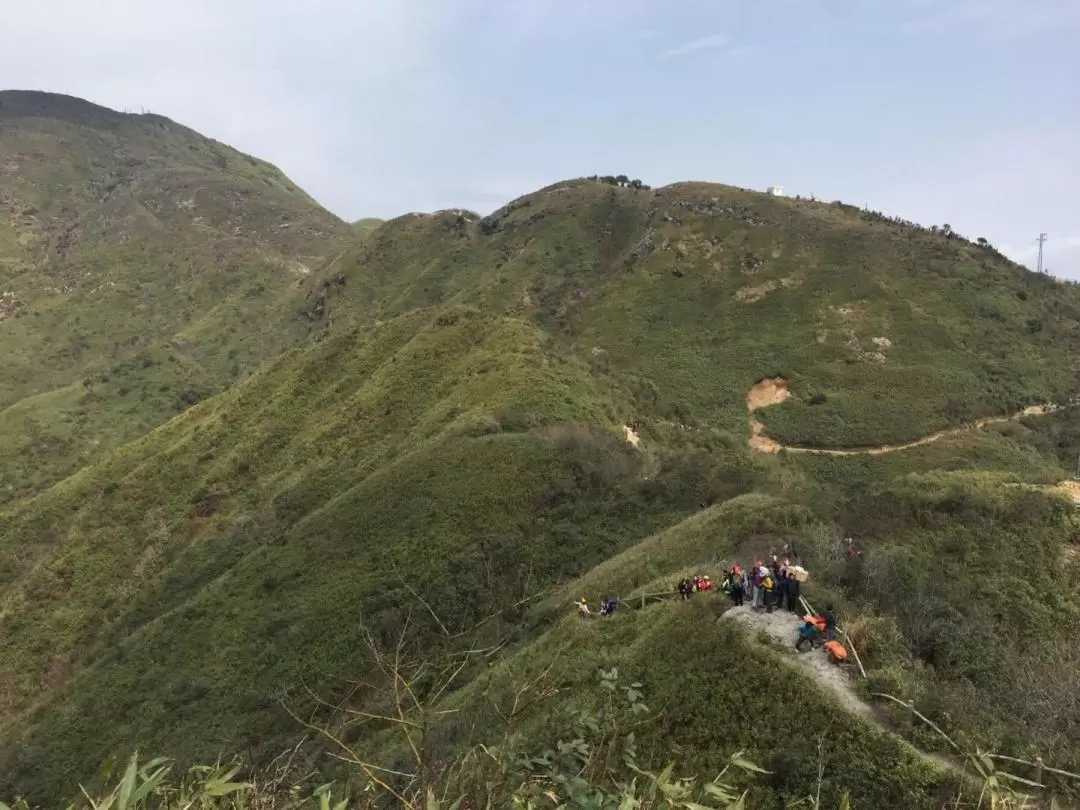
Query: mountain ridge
<point x="105" y="216"/>
<point x="433" y="454"/>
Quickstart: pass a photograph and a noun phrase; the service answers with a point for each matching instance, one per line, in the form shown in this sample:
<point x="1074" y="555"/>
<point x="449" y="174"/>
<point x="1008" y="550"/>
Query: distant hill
<point x="479" y="420"/>
<point x="366" y="226"/>
<point x="138" y="264"/>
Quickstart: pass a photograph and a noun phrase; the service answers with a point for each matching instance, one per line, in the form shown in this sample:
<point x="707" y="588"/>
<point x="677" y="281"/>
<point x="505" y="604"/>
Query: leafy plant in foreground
<point x="148" y="787"/>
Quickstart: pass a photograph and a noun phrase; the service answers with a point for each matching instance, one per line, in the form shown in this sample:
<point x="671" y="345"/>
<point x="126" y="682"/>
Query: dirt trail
<point x="783" y="628"/>
<point x="1070" y="489"/>
<point x="773" y="391"/>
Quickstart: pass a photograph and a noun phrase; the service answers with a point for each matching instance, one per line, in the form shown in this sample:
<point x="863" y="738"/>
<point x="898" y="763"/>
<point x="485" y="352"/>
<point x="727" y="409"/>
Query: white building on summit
<point x="775" y="191"/>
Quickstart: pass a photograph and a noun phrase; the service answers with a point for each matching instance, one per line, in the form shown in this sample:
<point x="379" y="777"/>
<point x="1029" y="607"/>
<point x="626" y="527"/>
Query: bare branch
<point x="423" y="601"/>
<point x="353" y="758"/>
<point x="910" y="706"/>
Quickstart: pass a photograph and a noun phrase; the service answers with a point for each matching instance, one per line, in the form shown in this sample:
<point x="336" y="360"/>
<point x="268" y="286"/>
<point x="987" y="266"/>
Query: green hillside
<point x="691" y="293"/>
<point x="492" y="417"/>
<point x="141" y="270"/>
<point x="365" y="226"/>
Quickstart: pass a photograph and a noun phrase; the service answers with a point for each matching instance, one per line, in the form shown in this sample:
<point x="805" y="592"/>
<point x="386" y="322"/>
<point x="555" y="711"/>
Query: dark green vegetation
<point x="444" y="450"/>
<point x="143" y="268"/>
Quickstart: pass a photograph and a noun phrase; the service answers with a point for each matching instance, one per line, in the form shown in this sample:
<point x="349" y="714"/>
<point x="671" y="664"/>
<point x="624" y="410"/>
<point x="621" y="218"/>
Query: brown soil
<point x="1070" y="489"/>
<point x="771" y="391"/>
<point x="756" y="292"/>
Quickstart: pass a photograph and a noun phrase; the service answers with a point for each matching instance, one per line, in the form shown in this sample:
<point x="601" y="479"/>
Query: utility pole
<point x="1042" y="241"/>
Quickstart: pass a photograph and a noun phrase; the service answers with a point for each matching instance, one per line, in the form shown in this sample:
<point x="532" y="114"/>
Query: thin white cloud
<point x="709" y="43"/>
<point x="383" y="106"/>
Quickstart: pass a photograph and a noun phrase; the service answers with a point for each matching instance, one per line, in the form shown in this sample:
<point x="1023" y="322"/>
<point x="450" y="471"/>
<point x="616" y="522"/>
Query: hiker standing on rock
<point x="757" y="601"/>
<point x="734" y="585"/>
<point x="794" y="589"/>
<point x="781" y="590"/>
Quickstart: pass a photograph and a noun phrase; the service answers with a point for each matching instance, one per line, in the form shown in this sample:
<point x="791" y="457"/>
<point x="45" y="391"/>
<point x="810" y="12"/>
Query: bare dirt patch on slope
<point x="763" y="394"/>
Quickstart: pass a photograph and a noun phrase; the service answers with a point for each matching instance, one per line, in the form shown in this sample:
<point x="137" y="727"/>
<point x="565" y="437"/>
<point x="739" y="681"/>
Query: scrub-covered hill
<point x="490" y="408"/>
<point x="169" y="592"/>
<point x="141" y="266"/>
<point x="689" y="294"/>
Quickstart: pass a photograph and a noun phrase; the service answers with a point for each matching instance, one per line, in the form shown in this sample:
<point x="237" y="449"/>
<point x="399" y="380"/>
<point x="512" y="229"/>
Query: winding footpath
<point x="781" y="627"/>
<point x="774" y="391"/>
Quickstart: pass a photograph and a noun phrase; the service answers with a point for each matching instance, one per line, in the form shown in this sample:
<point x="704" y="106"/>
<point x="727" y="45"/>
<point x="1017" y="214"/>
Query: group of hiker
<point x="697" y="584"/>
<point x="820" y="629"/>
<point x="768" y="586"/>
<point x="776" y="586"/>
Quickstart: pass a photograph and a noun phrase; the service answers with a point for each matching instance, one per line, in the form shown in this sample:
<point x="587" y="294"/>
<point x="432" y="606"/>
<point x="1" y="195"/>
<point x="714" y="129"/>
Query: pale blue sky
<point x="958" y="111"/>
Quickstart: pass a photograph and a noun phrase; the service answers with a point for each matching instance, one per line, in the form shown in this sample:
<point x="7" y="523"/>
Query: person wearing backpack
<point x="734" y="586"/>
<point x="808" y="634"/>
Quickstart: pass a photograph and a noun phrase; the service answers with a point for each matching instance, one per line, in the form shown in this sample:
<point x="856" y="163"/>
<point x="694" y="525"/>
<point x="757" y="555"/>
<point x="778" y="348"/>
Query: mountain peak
<point x="40" y="104"/>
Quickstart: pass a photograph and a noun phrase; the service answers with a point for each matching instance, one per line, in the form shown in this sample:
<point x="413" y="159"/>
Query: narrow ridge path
<point x="782" y="627"/>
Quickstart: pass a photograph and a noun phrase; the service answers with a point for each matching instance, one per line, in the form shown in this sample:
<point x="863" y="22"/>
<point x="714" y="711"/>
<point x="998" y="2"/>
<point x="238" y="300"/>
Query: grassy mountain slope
<point x="142" y="268"/>
<point x="453" y="433"/>
<point x="942" y="612"/>
<point x="706" y="682"/>
<point x="693" y="292"/>
<point x="283" y="512"/>
<point x="365" y="226"/>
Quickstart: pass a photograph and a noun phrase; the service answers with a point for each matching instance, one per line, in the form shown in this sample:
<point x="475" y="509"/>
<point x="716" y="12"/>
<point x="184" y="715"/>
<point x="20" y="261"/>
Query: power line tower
<point x="1042" y="241"/>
